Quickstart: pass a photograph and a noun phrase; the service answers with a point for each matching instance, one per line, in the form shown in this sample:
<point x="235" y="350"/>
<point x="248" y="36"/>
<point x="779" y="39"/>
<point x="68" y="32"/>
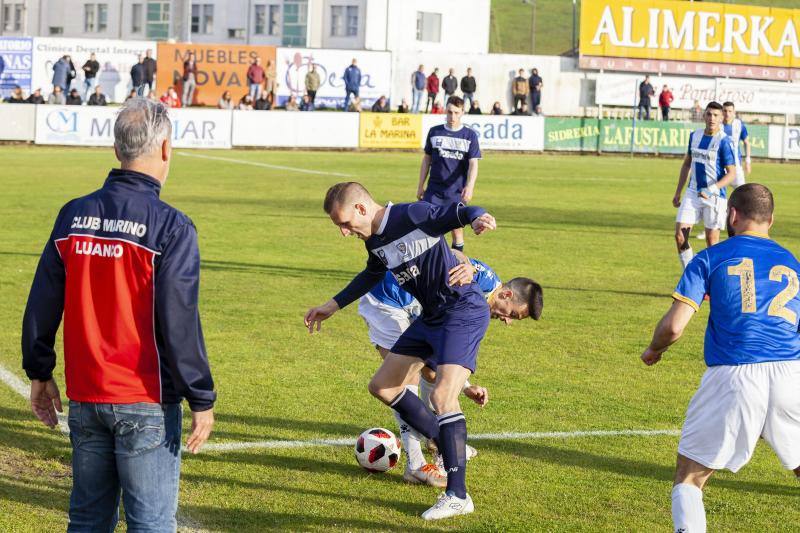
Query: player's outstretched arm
<point x="316" y="315"/>
<point x="423" y="175"/>
<point x="668" y="331"/>
<point x="684" y="175"/>
<point x="483" y="223"/>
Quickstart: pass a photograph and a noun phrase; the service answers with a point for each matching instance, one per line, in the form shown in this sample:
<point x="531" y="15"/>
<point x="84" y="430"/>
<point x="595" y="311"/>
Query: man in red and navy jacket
<point x="123" y="268"/>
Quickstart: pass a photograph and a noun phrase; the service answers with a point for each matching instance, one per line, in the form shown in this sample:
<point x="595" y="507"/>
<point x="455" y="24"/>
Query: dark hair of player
<point x="527" y="291"/>
<point x="340" y="193"/>
<point x="753" y="201"/>
<point x="728" y="104"/>
<point x="456" y="101"/>
<point x="714" y="105"/>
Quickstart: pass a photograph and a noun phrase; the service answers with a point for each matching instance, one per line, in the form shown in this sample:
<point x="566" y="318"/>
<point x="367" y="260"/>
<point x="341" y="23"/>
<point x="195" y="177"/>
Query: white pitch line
<point x="19" y="386"/>
<point x="283" y="444"/>
<point x="267" y="165"/>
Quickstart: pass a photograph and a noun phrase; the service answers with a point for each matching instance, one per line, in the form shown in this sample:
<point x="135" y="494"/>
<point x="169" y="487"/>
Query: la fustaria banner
<point x="690" y="31"/>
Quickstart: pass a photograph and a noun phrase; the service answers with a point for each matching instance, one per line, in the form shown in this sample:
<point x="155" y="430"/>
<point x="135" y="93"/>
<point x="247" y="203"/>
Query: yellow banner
<point x="690" y="31"/>
<point x="390" y="130"/>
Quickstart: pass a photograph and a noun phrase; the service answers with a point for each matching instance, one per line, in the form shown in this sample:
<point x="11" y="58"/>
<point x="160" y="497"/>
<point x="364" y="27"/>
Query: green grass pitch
<point x="595" y="231"/>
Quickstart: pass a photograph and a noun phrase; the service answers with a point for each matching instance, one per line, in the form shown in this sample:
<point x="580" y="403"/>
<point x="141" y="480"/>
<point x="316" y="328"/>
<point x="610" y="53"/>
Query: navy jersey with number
<point x="450" y="152"/>
<point x="753" y="287"/>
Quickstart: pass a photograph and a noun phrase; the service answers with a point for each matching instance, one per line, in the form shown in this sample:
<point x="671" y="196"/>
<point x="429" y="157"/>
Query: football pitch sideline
<point x="578" y="434"/>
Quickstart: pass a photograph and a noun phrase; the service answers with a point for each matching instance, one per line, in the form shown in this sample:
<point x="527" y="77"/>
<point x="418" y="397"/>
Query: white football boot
<point x="449" y="505"/>
<point x="429" y="474"/>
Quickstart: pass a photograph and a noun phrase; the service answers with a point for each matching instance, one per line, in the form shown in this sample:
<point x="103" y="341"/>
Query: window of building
<point x="157" y="24"/>
<point x="203" y="18"/>
<point x="102" y="17"/>
<point x="429" y="27"/>
<point x="268" y="19"/>
<point x="344" y="21"/>
<point x="12" y="16"/>
<point x="235" y="33"/>
<point x="88" y="18"/>
<point x="136" y="18"/>
<point x="56" y="30"/>
<point x="295" y="22"/>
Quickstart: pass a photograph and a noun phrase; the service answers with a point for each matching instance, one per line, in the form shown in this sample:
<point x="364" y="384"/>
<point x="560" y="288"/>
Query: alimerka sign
<point x="690" y="31"/>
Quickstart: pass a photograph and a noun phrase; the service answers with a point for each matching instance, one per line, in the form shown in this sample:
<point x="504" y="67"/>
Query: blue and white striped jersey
<point x="710" y="155"/>
<point x="737" y="131"/>
<point x="409" y="243"/>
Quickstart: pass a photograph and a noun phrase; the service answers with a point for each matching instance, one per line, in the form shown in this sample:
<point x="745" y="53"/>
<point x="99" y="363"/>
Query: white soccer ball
<point x="377" y="450"/>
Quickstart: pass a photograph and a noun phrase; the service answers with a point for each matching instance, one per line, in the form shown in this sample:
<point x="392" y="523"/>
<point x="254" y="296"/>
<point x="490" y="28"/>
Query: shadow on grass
<point x="623" y="466"/>
<point x="278" y="270"/>
<point x="19" y="429"/>
<point x="265" y="424"/>
<point x="54" y="497"/>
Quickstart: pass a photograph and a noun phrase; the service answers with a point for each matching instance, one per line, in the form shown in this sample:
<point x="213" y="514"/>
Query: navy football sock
<point x="413" y="411"/>
<point x="452" y="445"/>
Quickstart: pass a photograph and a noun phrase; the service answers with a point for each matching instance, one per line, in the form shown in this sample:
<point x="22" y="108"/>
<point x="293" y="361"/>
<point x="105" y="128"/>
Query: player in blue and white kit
<point x="407" y="239"/>
<point x="388" y="311"/>
<point x="737" y="131"/>
<point x="451" y="156"/>
<point x="710" y="166"/>
<point x="752" y="349"/>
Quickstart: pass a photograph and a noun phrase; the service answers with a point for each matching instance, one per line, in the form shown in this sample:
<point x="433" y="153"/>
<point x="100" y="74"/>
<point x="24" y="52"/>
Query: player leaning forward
<point x="710" y="167"/>
<point x="752" y="349"/>
<point x="408" y="240"/>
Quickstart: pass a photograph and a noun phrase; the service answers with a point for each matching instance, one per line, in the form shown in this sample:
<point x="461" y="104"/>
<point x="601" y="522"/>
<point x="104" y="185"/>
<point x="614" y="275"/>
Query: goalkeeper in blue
<point x="751" y="388"/>
<point x="408" y="240"/>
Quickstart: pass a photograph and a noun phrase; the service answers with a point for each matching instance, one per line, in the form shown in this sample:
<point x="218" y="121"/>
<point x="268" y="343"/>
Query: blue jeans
<point x="255" y="91"/>
<point x="88" y="88"/>
<point x="470" y="97"/>
<point x="416" y="99"/>
<point x="347" y="94"/>
<point x="139" y="89"/>
<point x="135" y="448"/>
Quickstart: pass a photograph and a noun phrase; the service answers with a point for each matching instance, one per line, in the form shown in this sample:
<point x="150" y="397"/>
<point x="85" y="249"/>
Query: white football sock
<point x="688" y="513"/>
<point x="425" y="390"/>
<point x="686" y="256"/>
<point x="410" y="439"/>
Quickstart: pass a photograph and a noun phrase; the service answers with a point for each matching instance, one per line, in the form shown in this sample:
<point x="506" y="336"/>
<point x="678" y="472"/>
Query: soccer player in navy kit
<point x="407" y="239"/>
<point x="752" y="349"/>
<point x="451" y="156"/>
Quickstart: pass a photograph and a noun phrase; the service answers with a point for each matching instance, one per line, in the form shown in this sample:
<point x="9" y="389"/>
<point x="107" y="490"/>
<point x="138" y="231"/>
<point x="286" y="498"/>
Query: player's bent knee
<point x="428" y="374"/>
<point x="378" y="390"/>
<point x="691" y="472"/>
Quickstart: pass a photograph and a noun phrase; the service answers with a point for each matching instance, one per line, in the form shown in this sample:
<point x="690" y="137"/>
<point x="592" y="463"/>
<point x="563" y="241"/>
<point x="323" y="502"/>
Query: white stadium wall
<point x="19" y="122"/>
<point x="295" y="129"/>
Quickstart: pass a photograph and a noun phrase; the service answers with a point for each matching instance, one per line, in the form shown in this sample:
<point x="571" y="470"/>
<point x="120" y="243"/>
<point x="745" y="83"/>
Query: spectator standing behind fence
<point x="150" y="69"/>
<point x="645" y="92"/>
<point x="61" y="70"/>
<point x="137" y="76"/>
<point x="73" y="98"/>
<point x="312" y="83"/>
<point x="133" y="355"/>
<point x="535" y="84"/>
<point x="432" y="87"/>
<point x="225" y="101"/>
<point x="90" y="70"/>
<point x="189" y="79"/>
<point x="255" y="77"/>
<point x="665" y="101"/>
<point x="449" y="84"/>
<point x="57" y="98"/>
<point x="468" y="87"/>
<point x="97" y="97"/>
<point x="270" y="85"/>
<point x="519" y="89"/>
<point x="352" y="82"/>
<point x="381" y="105"/>
<point x="36" y="97"/>
<point x="418" y="82"/>
<point x="697" y="112"/>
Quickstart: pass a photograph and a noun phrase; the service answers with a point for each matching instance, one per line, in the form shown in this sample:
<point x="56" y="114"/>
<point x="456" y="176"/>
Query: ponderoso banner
<point x="220" y="68"/>
<point x="690" y="31"/>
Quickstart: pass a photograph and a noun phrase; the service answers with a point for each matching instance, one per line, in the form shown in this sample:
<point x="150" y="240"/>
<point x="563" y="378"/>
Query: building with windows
<point x="394" y="25"/>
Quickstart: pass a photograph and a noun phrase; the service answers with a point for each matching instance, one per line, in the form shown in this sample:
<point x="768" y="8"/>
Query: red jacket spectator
<point x="665" y="98"/>
<point x="255" y="74"/>
<point x="432" y="85"/>
<point x="171" y="98"/>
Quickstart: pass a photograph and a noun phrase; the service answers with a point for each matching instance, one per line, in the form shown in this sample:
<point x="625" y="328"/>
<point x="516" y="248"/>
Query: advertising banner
<point x="293" y="129"/>
<point x="623" y="90"/>
<point x="501" y="132"/>
<point x="94" y="126"/>
<point x="294" y="63"/>
<point x="390" y="130"/>
<point x="115" y="57"/>
<point x="652" y="137"/>
<point x="760" y="96"/>
<point x="221" y="68"/>
<point x="690" y="31"/>
<point x="16" y="60"/>
<point x="784" y="142"/>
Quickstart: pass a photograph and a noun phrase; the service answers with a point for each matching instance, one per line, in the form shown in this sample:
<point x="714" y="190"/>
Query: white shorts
<point x="734" y="406"/>
<point x="386" y="323"/>
<point x="712" y="211"/>
<point x="739" y="179"/>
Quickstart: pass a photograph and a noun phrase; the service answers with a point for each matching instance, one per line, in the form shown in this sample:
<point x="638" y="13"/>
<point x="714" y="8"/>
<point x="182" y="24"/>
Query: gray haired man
<point x="123" y="268"/>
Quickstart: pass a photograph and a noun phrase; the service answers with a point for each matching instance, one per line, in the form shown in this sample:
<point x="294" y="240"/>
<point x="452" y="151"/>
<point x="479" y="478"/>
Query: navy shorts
<point x="452" y="337"/>
<point x="442" y="198"/>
